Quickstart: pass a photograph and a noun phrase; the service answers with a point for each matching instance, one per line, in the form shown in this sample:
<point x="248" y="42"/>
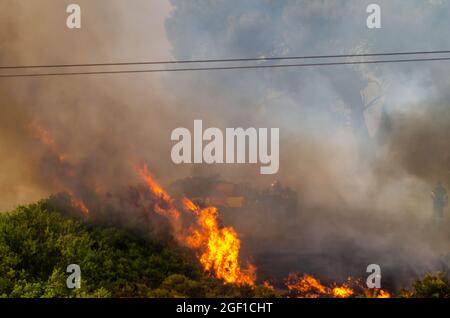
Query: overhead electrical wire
<point x="252" y="59"/>
<point x="233" y="67"/>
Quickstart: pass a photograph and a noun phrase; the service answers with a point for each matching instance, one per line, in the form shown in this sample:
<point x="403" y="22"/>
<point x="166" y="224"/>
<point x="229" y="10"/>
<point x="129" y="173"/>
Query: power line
<point x="256" y="59"/>
<point x="242" y="67"/>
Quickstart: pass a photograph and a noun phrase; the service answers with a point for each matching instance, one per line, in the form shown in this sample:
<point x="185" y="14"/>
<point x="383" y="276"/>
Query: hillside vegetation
<point x="37" y="244"/>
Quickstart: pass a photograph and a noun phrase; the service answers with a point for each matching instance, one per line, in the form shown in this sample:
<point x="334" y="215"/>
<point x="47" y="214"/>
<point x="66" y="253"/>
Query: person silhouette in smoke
<point x="440" y="199"/>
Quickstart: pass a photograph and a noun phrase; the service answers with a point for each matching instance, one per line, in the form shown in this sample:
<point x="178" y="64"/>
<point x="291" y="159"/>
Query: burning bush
<point x="308" y="286"/>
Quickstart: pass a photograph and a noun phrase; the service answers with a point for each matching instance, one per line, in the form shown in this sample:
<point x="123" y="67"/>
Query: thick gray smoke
<point x="100" y="123"/>
<point x="363" y="179"/>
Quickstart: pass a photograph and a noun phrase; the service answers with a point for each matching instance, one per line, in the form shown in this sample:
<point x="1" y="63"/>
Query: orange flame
<point x="377" y="293"/>
<point x="307" y="286"/>
<point x="218" y="246"/>
<point x="220" y="249"/>
<point x="342" y="292"/>
<point x="189" y="205"/>
<point x="165" y="206"/>
<point x="384" y="294"/>
<point x="46" y="139"/>
<point x="78" y="203"/>
<point x="268" y="285"/>
<point x="154" y="187"/>
<point x="44" y="136"/>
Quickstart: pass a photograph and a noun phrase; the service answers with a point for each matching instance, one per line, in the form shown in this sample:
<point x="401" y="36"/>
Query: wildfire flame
<point x="342" y="292"/>
<point x="165" y="204"/>
<point x="77" y="203"/>
<point x="46" y="139"/>
<point x="44" y="136"/>
<point x="305" y="286"/>
<point x="308" y="286"/>
<point x="384" y="294"/>
<point x="218" y="246"/>
<point x="377" y="293"/>
<point x="220" y="249"/>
